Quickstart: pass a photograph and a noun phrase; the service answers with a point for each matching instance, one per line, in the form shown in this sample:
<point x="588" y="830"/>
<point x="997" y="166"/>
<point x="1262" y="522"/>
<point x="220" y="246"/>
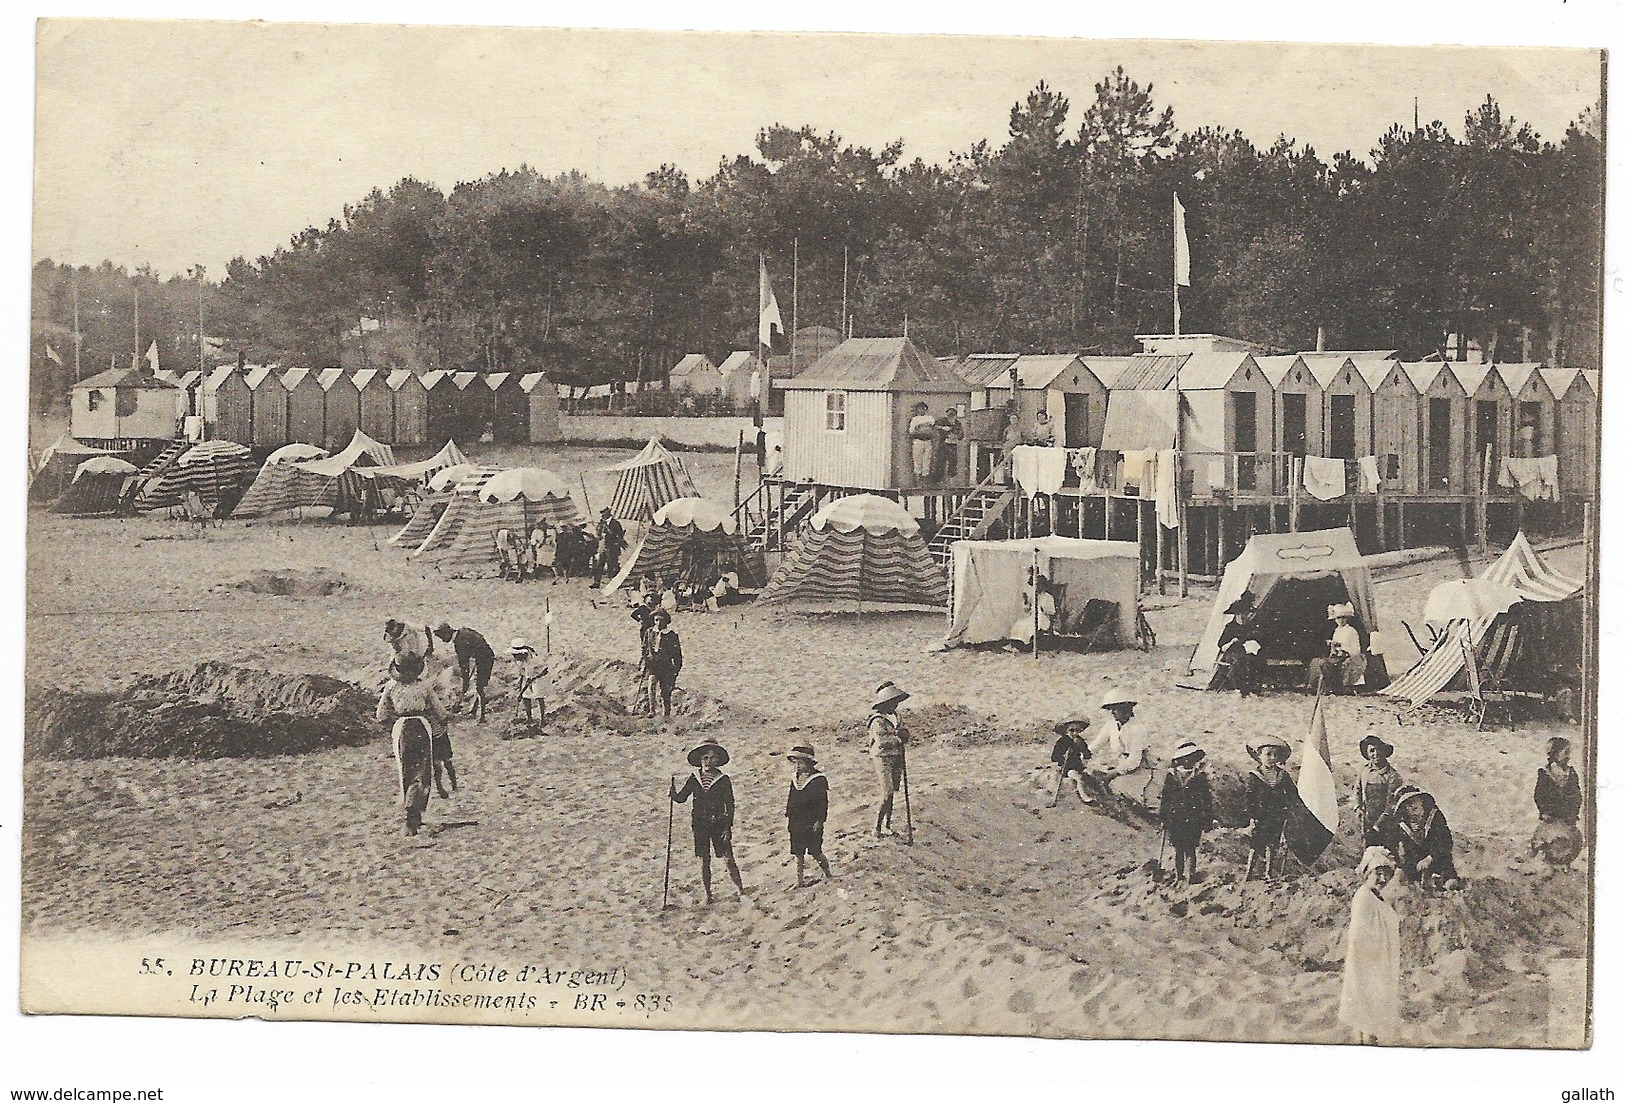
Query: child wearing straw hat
<point x="887" y="742"/>
<point x="532" y="693"/>
<point x="713" y="814"/>
<point x="1420" y="839"/>
<point x="1071" y="756"/>
<point x="1187" y="807"/>
<point x="806" y="810"/>
<point x="1270" y="795"/>
<point x="1378" y="781"/>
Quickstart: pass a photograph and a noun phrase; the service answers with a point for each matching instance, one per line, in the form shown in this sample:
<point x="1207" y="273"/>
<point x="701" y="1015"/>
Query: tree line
<point x="1058" y="239"/>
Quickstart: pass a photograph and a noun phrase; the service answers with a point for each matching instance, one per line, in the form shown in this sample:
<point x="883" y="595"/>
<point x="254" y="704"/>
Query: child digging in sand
<point x="807" y="808"/>
<point x="713" y="817"/>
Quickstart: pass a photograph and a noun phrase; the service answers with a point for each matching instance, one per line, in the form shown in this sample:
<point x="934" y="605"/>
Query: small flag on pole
<point x="1311" y="823"/>
<point x="768" y="318"/>
<point x="1182" y="246"/>
<point x="50" y="354"/>
<point x="152" y="356"/>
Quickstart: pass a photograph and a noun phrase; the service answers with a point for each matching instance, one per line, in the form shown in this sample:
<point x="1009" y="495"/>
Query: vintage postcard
<point x="1035" y="537"/>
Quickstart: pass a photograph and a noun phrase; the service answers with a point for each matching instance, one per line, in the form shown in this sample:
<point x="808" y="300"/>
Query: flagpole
<point x="77" y="339"/>
<point x="135" y="292"/>
<point x="795" y="299"/>
<point x="846" y="322"/>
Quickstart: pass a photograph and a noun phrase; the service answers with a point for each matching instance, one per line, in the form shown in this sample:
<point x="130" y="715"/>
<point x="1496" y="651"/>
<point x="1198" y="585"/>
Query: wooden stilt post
<point x="1402" y="524"/>
<point x="1108" y="511"/>
<point x="1382" y="518"/>
<point x="1223" y="554"/>
<point x="1156" y="523"/>
<point x="1292" y="492"/>
<point x="1484" y="507"/>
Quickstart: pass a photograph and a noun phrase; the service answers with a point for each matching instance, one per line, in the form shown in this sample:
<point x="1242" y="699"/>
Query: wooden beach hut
<point x="510" y="408"/>
<point x="1064" y="387"/>
<point x="473" y="407"/>
<point x="377" y="404"/>
<point x="269" y="408"/>
<point x="228" y="404"/>
<point x="1299" y="407"/>
<point x="341" y="406"/>
<point x="1345" y="430"/>
<point x="1489" y="418"/>
<point x="409" y="407"/>
<point x="440" y="397"/>
<point x="1443" y="426"/>
<point x="846" y="417"/>
<point x="1574" y="439"/>
<point x="1395" y="423"/>
<point x="1534" y="410"/>
<point x="307" y="406"/>
<point x="542" y="424"/>
<point x="125" y="404"/>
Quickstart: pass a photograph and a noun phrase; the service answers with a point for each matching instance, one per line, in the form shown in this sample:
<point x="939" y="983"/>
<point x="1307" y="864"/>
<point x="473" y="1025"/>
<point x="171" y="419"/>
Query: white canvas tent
<point x="1293" y="577"/>
<point x="990" y="583"/>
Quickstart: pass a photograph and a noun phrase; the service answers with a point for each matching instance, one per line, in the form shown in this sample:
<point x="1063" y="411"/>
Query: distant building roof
<point x="1147" y="372"/>
<point x="1172" y="344"/>
<point x="125" y="379"/>
<point x="878" y="364"/>
<point x="738" y="361"/>
<point x="981" y="369"/>
<point x="692" y="363"/>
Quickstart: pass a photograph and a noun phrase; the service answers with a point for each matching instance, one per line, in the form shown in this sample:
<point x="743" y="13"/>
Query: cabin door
<point x="1440" y="440"/>
<point x="1244" y="419"/>
<point x="1486" y="412"/>
<point x="1295" y="424"/>
<point x="1076" y="429"/>
<point x="1342" y="415"/>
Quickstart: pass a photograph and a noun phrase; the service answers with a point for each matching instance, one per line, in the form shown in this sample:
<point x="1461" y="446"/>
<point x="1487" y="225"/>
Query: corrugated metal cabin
<point x="269" y="408"/>
<point x="307" y="406"/>
<point x="1396" y="420"/>
<point x="341" y="407"/>
<point x="409" y="406"/>
<point x="441" y="394"/>
<point x="696" y="374"/>
<point x="541" y="409"/>
<point x="232" y="404"/>
<point x="1575" y="435"/>
<point x="377" y="404"/>
<point x="846" y="417"/>
<point x="1345" y="430"/>
<point x="125" y="404"/>
<point x="1534" y="410"/>
<point x="510" y="408"/>
<point x="1300" y="405"/>
<point x="1442" y="410"/>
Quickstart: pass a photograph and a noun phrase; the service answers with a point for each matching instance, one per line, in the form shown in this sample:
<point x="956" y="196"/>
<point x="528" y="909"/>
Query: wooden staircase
<point x="765" y="526"/>
<point x="977" y="513"/>
<point x="156" y="470"/>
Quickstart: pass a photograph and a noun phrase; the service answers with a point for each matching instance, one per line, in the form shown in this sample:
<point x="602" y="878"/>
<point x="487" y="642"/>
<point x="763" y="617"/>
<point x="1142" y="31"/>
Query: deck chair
<point x="1097" y="625"/>
<point x="1484" y="694"/>
<point x="196" y="512"/>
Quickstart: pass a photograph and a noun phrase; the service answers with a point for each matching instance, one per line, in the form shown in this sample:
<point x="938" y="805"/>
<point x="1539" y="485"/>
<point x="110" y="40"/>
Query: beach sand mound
<point x="289" y="583"/>
<point x="213" y="710"/>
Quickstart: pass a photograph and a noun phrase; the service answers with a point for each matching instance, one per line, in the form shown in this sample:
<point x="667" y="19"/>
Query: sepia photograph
<point x="1055" y="538"/>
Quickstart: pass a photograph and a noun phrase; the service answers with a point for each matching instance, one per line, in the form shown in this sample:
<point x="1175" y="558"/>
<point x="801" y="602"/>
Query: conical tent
<point x="217" y="469"/>
<point x="690" y="538"/>
<point x="647" y="482"/>
<point x="443" y="487"/>
<point x="1521" y="617"/>
<point x="1293" y="577"/>
<point x="461" y="497"/>
<point x="992" y="598"/>
<point x="97" y="487"/>
<point x="515" y="500"/>
<point x="861" y="548"/>
<point x="57" y="466"/>
<point x="278" y="485"/>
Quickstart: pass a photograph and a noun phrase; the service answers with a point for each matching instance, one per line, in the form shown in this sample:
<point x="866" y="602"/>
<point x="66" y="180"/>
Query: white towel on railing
<point x="1038" y="470"/>
<point x="1370" y="480"/>
<point x="1167" y="492"/>
<point x="1324" y="478"/>
<point x="1082" y="463"/>
<point x="1535" y="478"/>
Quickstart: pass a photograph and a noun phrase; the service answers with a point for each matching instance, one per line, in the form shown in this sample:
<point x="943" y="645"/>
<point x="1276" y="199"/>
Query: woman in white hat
<point x="1122" y="752"/>
<point x="1270" y="794"/>
<point x="888" y="740"/>
<point x="1370" y="999"/>
<point x="1187" y="807"/>
<point x="806" y="809"/>
<point x="532" y="693"/>
<point x="1343" y="666"/>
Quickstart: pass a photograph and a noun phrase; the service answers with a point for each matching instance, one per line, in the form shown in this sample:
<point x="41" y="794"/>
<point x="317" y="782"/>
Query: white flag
<point x="50" y="354"/>
<point x="768" y="318"/>
<point x="152" y="356"/>
<point x="1182" y="246"/>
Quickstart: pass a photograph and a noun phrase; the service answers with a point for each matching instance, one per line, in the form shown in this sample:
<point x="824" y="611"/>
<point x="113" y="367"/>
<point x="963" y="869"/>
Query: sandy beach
<point x="1004" y="917"/>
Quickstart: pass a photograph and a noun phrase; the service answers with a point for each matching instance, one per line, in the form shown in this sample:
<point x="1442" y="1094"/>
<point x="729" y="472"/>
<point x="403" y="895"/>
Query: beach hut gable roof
<point x="1326" y="369"/>
<point x="1212" y="371"/>
<point x="1560" y="380"/>
<point x="293" y="377"/>
<point x="363" y="377"/>
<point x="981" y="369"/>
<point x="878" y="364"/>
<point x="398" y="378"/>
<point x="1517" y="376"/>
<point x="257" y="376"/>
<point x="496" y="379"/>
<point x="1376" y="370"/>
<point x="1109" y="369"/>
<point x="328" y="377"/>
<point x="433" y="379"/>
<point x="1472" y="377"/>
<point x="1423" y="373"/>
<point x="127" y="378"/>
<point x="463" y="379"/>
<point x="529" y="383"/>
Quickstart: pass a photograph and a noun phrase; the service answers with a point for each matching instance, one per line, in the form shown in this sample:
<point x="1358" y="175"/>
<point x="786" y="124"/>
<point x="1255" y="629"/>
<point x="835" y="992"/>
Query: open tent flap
<point x="990" y="584"/>
<point x="687" y="551"/>
<point x="1323" y="568"/>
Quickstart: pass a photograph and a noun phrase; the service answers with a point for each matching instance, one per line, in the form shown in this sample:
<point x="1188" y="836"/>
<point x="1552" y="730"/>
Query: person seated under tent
<point x="1342" y="668"/>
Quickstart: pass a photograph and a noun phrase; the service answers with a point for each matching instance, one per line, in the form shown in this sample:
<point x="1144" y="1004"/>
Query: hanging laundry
<point x="1535" y="477"/>
<point x="1135" y="476"/>
<point x="1038" y="470"/>
<point x="1166" y="482"/>
<point x="1218" y="474"/>
<point x="1082" y="463"/>
<point x="1370" y="481"/>
<point x="1323" y="478"/>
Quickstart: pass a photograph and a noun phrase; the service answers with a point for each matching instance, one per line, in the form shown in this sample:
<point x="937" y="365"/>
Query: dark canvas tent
<point x="1293" y="577"/>
<point x="1522" y="618"/>
<point x="329" y="481"/>
<point x="647" y="481"/>
<point x="691" y="538"/>
<point x="862" y="548"/>
<point x="97" y="487"/>
<point x="442" y="487"/>
<point x="277" y="486"/>
<point x="57" y="465"/>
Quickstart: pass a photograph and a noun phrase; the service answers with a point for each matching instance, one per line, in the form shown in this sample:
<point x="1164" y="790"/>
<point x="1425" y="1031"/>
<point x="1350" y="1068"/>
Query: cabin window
<point x="97" y="400"/>
<point x="835" y="411"/>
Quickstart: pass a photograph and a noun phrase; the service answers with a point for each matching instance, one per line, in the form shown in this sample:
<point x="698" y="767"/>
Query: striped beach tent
<point x="648" y="481"/>
<point x="691" y="538"/>
<point x="278" y="487"/>
<point x="1517" y="612"/>
<point x="461" y="495"/>
<point x="97" y="487"/>
<point x="515" y="500"/>
<point x="862" y="548"/>
<point x="441" y="487"/>
<point x="219" y="470"/>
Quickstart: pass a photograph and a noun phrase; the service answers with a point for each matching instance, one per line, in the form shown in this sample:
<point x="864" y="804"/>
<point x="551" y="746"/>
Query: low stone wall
<point x="712" y="433"/>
